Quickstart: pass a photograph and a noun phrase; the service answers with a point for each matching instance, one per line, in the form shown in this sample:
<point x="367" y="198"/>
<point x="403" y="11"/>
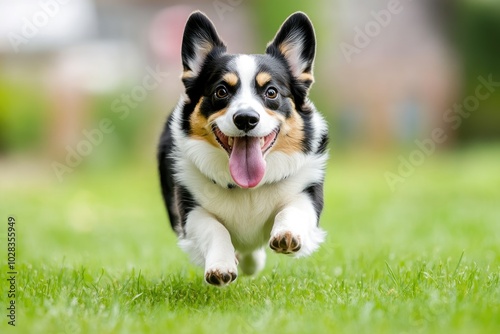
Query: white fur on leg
<point x="299" y="219"/>
<point x="208" y="243"/>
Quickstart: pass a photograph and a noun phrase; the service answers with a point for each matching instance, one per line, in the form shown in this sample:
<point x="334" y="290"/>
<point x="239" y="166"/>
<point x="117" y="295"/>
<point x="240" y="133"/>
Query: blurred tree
<point x="478" y="38"/>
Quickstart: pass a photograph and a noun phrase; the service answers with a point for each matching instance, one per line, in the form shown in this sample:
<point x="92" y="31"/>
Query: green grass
<point x="96" y="255"/>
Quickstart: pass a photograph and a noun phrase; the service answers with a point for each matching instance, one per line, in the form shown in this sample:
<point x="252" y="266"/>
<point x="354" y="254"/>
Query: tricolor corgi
<point x="242" y="156"/>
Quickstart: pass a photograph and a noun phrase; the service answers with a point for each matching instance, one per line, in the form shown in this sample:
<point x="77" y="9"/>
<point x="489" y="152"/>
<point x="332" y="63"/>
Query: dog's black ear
<point x="199" y="40"/>
<point x="296" y="42"/>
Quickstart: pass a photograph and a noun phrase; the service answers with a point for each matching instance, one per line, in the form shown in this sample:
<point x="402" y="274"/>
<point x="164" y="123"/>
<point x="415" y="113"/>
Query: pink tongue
<point x="246" y="164"/>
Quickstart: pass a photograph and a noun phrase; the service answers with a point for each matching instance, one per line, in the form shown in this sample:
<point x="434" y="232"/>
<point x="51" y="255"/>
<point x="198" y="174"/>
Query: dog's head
<point x="248" y="105"/>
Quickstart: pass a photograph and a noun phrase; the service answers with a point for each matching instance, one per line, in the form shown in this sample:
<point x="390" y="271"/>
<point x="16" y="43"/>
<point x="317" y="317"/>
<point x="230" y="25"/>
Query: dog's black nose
<point x="246" y="119"/>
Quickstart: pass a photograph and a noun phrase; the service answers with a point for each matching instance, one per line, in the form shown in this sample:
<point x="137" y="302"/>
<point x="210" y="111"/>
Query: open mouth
<point x="227" y="143"/>
<point x="246" y="156"/>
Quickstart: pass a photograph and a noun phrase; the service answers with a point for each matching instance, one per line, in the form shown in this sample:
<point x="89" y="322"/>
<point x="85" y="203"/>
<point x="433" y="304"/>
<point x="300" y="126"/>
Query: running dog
<point x="242" y="156"/>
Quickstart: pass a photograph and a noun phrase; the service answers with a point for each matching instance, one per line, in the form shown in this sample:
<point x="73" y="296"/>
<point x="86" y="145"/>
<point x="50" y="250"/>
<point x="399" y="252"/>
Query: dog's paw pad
<point x="285" y="243"/>
<point x="220" y="277"/>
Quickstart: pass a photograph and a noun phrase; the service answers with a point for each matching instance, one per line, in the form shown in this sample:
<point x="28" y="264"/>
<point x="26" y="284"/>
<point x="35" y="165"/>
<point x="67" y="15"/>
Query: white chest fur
<point x="247" y="214"/>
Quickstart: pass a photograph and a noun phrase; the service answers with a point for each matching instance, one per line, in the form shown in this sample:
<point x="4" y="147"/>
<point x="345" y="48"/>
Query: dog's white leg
<point x="295" y="230"/>
<point x="252" y="263"/>
<point x="209" y="244"/>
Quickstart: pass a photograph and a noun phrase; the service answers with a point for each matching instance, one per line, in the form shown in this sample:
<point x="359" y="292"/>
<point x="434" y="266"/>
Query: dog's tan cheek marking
<point x="274" y="114"/>
<point x="263" y="78"/>
<point x="291" y="134"/>
<point x="199" y="126"/>
<point x="231" y="79"/>
<point x="208" y="127"/>
<point x="197" y="121"/>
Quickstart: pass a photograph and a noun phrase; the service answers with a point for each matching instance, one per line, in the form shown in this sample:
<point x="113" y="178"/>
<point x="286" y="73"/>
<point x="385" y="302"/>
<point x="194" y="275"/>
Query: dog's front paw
<point x="285" y="243"/>
<point x="220" y="276"/>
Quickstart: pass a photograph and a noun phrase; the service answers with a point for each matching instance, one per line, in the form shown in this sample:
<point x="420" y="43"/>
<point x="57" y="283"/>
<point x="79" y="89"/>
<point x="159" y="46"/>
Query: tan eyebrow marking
<point x="290" y="138"/>
<point x="231" y="79"/>
<point x="263" y="78"/>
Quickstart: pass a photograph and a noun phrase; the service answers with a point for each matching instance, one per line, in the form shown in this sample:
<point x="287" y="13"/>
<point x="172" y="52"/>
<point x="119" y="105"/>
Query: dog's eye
<point x="271" y="93"/>
<point x="221" y="92"/>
